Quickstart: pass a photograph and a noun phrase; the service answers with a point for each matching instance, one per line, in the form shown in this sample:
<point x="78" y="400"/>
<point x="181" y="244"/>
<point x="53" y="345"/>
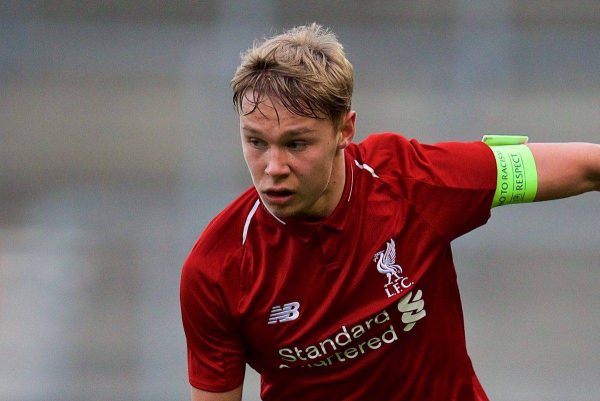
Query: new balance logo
<point x="285" y="313"/>
<point x="412" y="309"/>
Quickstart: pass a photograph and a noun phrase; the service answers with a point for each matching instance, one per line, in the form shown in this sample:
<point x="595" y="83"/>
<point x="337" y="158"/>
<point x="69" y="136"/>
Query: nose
<point x="277" y="163"/>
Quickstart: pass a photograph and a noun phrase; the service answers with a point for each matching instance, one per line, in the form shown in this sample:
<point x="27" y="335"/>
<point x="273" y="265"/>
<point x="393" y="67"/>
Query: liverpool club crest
<point x="386" y="264"/>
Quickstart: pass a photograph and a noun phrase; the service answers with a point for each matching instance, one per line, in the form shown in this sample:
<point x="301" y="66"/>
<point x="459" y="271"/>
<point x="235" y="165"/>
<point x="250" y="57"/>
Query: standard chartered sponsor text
<point x="348" y="343"/>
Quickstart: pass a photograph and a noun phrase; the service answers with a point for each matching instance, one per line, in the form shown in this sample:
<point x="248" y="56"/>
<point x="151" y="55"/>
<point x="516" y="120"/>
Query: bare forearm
<point x="566" y="169"/>
<point x="201" y="395"/>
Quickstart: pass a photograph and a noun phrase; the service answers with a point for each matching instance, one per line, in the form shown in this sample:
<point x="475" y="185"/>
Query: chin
<point x="280" y="212"/>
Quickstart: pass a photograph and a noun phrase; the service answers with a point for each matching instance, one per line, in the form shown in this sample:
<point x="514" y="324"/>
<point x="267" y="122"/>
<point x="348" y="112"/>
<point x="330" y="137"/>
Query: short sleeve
<point x="451" y="184"/>
<point x="216" y="358"/>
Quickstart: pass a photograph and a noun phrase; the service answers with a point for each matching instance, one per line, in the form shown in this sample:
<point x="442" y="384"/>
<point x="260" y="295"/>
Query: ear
<point x="347" y="130"/>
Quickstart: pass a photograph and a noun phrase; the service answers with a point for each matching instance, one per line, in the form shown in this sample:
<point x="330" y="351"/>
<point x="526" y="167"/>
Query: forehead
<point x="271" y="112"/>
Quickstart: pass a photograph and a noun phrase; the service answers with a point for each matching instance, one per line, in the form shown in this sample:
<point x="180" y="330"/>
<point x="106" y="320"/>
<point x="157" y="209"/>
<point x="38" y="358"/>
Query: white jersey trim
<point x="367" y="168"/>
<point x="351" y="182"/>
<point x="275" y="217"/>
<point x="248" y="219"/>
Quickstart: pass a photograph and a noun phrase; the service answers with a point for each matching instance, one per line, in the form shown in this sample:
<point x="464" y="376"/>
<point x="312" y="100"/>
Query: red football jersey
<point x="363" y="305"/>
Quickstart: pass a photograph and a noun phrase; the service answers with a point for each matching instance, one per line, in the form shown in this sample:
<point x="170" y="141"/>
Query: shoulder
<point x="445" y="163"/>
<point x="449" y="184"/>
<point x="389" y="151"/>
<point x="379" y="145"/>
<point x="219" y="247"/>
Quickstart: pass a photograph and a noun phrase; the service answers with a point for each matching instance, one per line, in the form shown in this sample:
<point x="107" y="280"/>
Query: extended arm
<point x="201" y="395"/>
<point x="566" y="169"/>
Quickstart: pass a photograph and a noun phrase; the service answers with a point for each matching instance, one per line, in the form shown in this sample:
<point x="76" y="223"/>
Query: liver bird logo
<point x="386" y="262"/>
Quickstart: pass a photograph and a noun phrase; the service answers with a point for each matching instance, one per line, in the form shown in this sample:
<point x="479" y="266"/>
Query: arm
<point x="566" y="169"/>
<point x="201" y="395"/>
<point x="215" y="352"/>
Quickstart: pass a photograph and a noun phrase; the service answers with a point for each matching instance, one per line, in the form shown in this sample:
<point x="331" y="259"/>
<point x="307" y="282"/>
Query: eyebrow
<point x="292" y="132"/>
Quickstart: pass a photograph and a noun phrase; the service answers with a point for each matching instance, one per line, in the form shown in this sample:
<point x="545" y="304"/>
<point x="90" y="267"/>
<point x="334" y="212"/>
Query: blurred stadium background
<point x="118" y="143"/>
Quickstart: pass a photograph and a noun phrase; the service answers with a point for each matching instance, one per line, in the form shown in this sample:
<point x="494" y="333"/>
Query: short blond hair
<point x="304" y="68"/>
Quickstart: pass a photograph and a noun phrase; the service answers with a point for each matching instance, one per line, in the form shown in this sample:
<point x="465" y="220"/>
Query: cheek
<point x="253" y="164"/>
<point x="319" y="172"/>
<point x="251" y="159"/>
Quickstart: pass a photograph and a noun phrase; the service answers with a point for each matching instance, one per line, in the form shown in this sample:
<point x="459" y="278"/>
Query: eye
<point x="297" y="145"/>
<point x="256" y="143"/>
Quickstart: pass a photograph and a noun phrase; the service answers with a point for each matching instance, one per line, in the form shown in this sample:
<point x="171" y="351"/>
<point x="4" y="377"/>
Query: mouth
<point x="278" y="197"/>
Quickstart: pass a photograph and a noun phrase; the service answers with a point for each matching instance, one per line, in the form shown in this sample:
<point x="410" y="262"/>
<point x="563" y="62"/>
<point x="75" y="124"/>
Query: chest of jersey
<point x="334" y="299"/>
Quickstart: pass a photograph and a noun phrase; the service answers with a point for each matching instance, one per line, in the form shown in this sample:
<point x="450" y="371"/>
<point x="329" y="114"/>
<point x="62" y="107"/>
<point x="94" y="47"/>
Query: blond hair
<point x="304" y="68"/>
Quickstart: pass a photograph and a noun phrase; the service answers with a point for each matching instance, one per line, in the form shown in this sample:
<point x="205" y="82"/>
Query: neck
<point x="332" y="195"/>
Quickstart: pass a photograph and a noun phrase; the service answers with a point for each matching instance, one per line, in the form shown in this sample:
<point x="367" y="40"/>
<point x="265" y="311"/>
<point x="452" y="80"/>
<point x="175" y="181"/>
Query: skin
<point x="296" y="163"/>
<point x="201" y="395"/>
<point x="566" y="169"/>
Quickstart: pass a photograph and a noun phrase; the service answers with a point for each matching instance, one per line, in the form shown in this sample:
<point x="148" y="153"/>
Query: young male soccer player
<point x="333" y="276"/>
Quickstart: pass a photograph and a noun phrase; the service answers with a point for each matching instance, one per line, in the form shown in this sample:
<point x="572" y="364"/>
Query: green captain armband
<point x="517" y="175"/>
